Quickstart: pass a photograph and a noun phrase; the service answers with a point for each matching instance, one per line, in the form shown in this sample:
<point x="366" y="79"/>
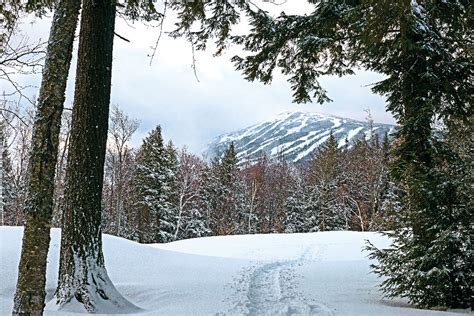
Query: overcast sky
<point x="192" y="113"/>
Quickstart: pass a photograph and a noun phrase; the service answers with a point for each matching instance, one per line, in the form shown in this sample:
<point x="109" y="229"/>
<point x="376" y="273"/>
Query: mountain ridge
<point x="296" y="135"/>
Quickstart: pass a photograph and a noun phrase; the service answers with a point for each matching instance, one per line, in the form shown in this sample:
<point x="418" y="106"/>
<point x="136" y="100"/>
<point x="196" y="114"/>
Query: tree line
<point x="159" y="193"/>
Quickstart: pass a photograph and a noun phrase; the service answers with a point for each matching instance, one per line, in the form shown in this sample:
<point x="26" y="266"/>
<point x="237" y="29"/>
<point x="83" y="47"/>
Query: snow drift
<point x="280" y="274"/>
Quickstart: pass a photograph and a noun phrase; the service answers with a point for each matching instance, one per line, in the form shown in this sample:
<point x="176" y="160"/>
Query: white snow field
<point x="280" y="274"/>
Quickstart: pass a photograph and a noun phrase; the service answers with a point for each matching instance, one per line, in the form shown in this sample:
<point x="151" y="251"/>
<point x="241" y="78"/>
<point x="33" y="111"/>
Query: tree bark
<point x="2" y="199"/>
<point x="30" y="291"/>
<point x="83" y="279"/>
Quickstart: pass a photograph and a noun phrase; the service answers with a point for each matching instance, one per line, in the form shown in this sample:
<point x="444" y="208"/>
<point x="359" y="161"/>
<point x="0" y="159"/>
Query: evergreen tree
<point x="427" y="79"/>
<point x="168" y="208"/>
<point x="147" y="184"/>
<point x="211" y="191"/>
<point x="324" y="180"/>
<point x="302" y="209"/>
<point x="424" y="50"/>
<point x="228" y="166"/>
<point x="278" y="179"/>
<point x="295" y="212"/>
<point x="8" y="190"/>
<point x="155" y="185"/>
<point x="223" y="196"/>
<point x="227" y="212"/>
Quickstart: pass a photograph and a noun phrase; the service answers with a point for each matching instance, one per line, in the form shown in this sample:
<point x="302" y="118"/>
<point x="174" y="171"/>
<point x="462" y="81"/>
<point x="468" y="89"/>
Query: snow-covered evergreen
<point x="155" y="185"/>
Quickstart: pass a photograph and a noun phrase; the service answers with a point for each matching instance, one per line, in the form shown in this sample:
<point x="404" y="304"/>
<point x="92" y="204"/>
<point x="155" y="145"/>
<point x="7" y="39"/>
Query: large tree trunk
<point x="83" y="279"/>
<point x="30" y="291"/>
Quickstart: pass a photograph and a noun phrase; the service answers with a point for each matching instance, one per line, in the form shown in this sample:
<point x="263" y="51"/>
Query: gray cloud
<point x="192" y="113"/>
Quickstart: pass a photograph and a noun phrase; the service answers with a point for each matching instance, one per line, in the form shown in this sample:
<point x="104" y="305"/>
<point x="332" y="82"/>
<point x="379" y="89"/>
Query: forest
<point x="73" y="168"/>
<point x="159" y="193"/>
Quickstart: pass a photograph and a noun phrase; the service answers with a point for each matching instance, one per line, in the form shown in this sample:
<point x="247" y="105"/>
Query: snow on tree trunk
<point x="30" y="291"/>
<point x="83" y="281"/>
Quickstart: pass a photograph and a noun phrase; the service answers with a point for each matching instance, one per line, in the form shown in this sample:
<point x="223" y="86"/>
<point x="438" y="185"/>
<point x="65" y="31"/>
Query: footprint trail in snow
<point x="269" y="292"/>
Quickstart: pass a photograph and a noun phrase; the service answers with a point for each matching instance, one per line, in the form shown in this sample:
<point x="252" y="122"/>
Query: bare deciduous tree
<point x="118" y="173"/>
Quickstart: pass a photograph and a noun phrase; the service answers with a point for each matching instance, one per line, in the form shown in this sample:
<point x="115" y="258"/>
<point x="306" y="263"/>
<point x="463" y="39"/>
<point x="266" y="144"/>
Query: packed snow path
<point x="270" y="291"/>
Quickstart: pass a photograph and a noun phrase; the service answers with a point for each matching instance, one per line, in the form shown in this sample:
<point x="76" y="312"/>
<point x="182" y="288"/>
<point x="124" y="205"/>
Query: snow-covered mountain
<point x="296" y="135"/>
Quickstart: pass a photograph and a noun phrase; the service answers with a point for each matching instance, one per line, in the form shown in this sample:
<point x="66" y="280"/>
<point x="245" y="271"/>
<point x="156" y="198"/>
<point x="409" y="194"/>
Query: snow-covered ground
<point x="280" y="274"/>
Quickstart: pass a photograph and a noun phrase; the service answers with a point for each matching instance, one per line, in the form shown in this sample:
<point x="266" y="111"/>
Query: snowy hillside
<point x="296" y="135"/>
<point x="298" y="274"/>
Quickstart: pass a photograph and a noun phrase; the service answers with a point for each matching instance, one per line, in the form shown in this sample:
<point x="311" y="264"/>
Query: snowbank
<point x="299" y="274"/>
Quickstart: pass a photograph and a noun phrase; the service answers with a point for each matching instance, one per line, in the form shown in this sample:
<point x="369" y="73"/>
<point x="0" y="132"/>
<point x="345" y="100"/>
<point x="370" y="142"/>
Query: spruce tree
<point x="211" y="191"/>
<point x="425" y="82"/>
<point x="277" y="183"/>
<point x="168" y="208"/>
<point x="194" y="225"/>
<point x="302" y="209"/>
<point x="226" y="213"/>
<point x="155" y="185"/>
<point x="424" y="50"/>
<point x="9" y="190"/>
<point x="324" y="180"/>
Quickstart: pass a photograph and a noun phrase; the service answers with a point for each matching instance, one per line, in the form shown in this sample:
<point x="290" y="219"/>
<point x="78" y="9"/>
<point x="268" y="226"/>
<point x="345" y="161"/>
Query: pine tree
<point x="147" y="185"/>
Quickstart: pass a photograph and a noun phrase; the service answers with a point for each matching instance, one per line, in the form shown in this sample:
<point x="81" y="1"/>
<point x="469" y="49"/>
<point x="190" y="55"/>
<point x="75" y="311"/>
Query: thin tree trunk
<point x="30" y="291"/>
<point x="2" y="199"/>
<point x="60" y="176"/>
<point x="83" y="279"/>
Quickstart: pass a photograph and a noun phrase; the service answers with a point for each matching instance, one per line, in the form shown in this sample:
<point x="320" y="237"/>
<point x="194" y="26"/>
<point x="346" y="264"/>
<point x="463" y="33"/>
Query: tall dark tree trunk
<point x="30" y="291"/>
<point x="83" y="278"/>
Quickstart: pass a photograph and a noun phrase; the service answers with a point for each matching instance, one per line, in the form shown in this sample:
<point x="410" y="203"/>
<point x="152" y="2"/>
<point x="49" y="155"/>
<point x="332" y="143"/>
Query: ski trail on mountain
<point x="270" y="291"/>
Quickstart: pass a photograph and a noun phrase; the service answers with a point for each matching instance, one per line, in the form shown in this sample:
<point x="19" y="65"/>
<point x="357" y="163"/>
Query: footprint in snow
<point x="270" y="292"/>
